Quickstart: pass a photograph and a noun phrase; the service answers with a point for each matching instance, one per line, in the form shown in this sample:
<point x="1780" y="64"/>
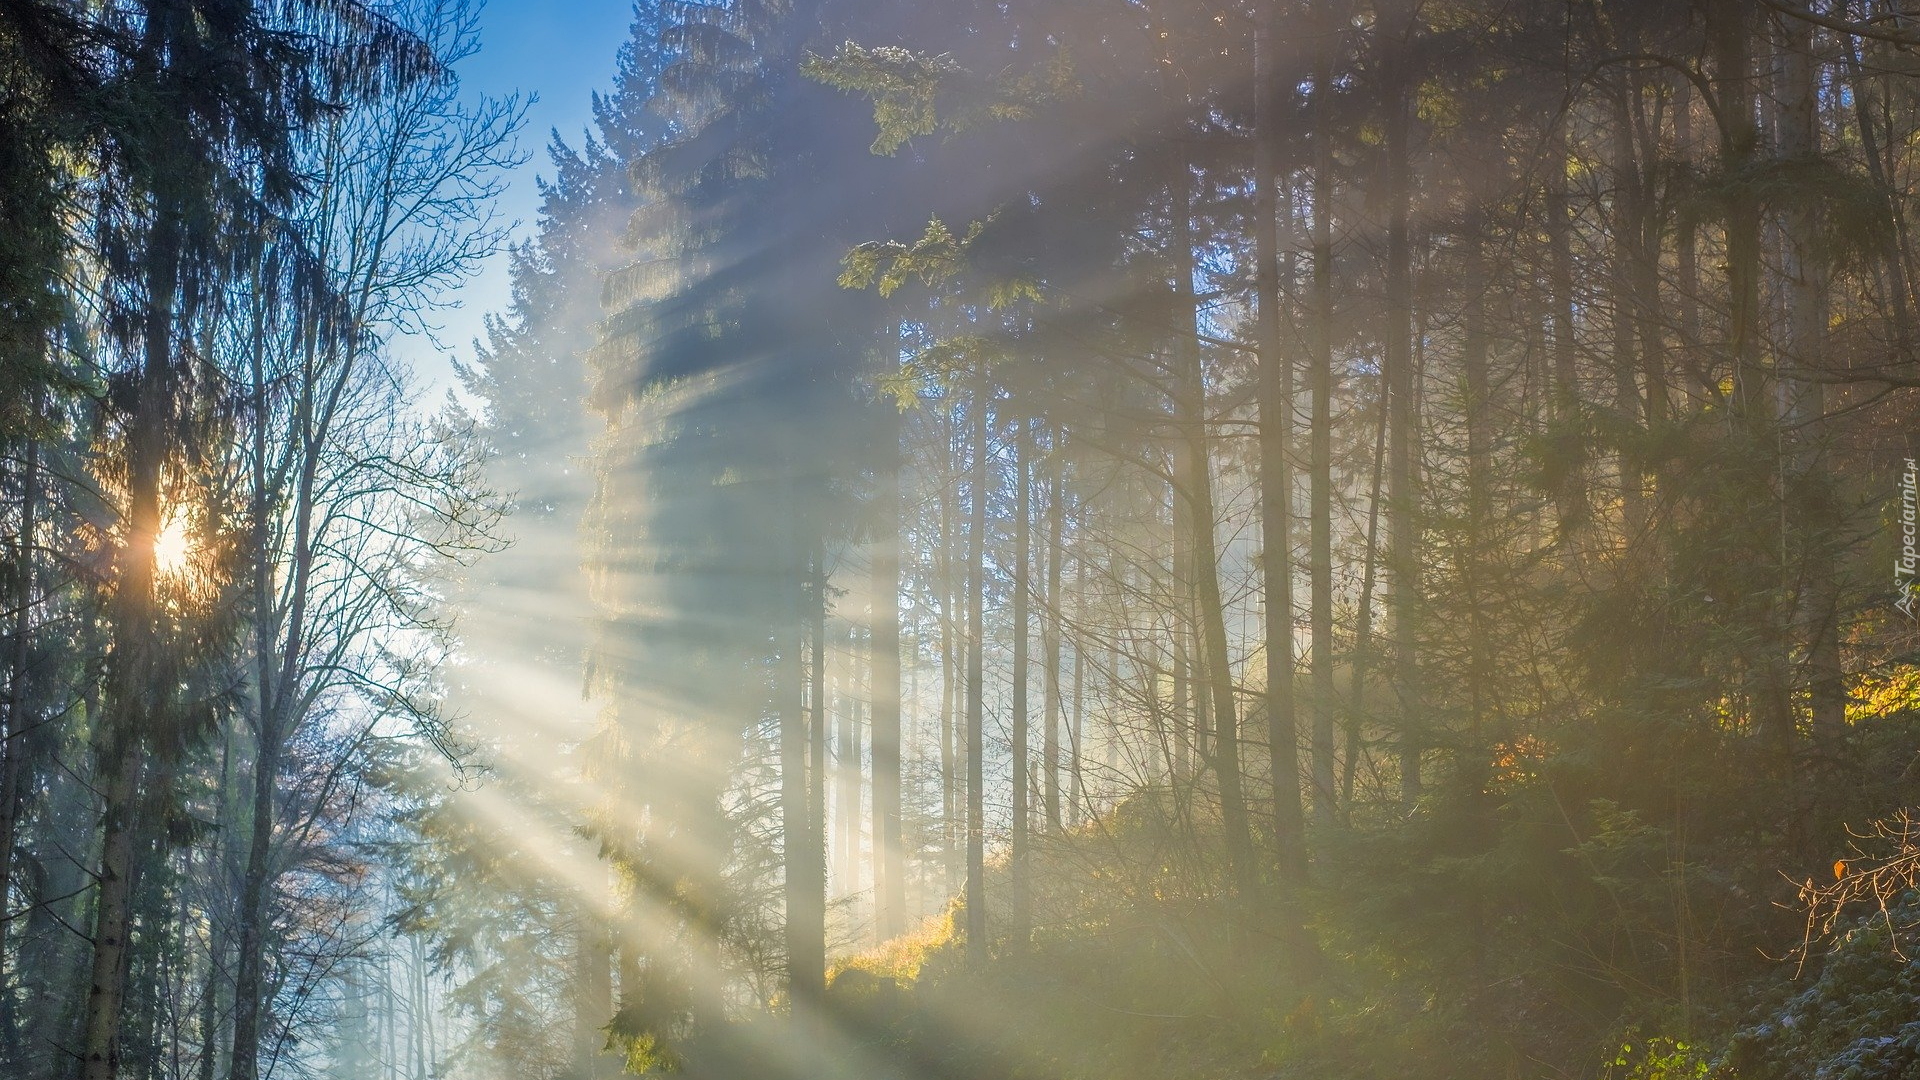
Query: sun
<point x="173" y="548"/>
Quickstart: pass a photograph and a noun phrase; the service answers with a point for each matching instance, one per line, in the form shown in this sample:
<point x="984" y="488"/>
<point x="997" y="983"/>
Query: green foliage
<point x="1659" y="1058"/>
<point x="903" y="86"/>
<point x="908" y="90"/>
<point x="937" y="258"/>
<point x="1859" y="1019"/>
<point x="940" y="261"/>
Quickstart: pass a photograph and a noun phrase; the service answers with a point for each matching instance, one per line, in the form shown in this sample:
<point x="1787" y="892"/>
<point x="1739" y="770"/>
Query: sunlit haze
<point x="959" y="540"/>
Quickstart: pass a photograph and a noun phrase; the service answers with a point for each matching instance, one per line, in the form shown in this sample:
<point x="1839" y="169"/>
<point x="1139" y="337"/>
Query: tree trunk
<point x="1628" y="206"/>
<point x="1807" y="309"/>
<point x="1196" y="484"/>
<point x="248" y="977"/>
<point x="593" y="1001"/>
<point x="819" y="727"/>
<point x="1569" y="495"/>
<point x="976" y="901"/>
<point x="132" y="699"/>
<point x="1320" y="448"/>
<point x="889" y="849"/>
<point x="1403" y="462"/>
<point x="805" y="896"/>
<point x="13" y="744"/>
<point x="950" y="649"/>
<point x="1050" y="632"/>
<point x="1479" y="551"/>
<point x="1363" y="620"/>
<point x="848" y="774"/>
<point x="1020" y="909"/>
<point x="1276" y="494"/>
<point x="1076" y="787"/>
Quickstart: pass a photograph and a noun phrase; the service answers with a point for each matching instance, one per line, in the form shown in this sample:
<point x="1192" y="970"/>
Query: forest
<point x="991" y="540"/>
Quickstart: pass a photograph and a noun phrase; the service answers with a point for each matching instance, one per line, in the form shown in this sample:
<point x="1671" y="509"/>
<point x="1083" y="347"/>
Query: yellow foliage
<point x="900" y="958"/>
<point x="1877" y="696"/>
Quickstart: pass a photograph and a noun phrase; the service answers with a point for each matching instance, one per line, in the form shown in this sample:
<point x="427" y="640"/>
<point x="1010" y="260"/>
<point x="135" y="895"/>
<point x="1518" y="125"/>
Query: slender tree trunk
<point x="1730" y="32"/>
<point x="13" y="745"/>
<point x="1050" y="631"/>
<point x="1686" y="248"/>
<point x="1076" y="788"/>
<point x="48" y="944"/>
<point x="1320" y="449"/>
<point x="1807" y="312"/>
<point x="1020" y="907"/>
<point x="1276" y="491"/>
<point x="1363" y="621"/>
<point x="1185" y="622"/>
<point x="278" y="646"/>
<point x="1570" y="496"/>
<point x="210" y="989"/>
<point x="847" y="774"/>
<point x="950" y="649"/>
<point x="1196" y="483"/>
<point x="1403" y="470"/>
<point x="805" y="903"/>
<point x="417" y="1008"/>
<point x="1475" y="345"/>
<point x="593" y="1001"/>
<point x="976" y="902"/>
<point x="248" y="977"/>
<point x="819" y="728"/>
<point x="889" y="848"/>
<point x="132" y="698"/>
<point x="1627" y="227"/>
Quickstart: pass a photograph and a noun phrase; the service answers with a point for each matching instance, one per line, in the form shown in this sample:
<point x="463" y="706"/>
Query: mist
<point x="1056" y="539"/>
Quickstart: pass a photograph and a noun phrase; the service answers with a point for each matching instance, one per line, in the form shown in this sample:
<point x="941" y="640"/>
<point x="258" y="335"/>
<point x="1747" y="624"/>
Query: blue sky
<point x="560" y="53"/>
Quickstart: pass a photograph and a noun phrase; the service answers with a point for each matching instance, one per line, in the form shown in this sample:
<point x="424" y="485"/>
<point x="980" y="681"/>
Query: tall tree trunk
<point x="1730" y="33"/>
<point x="1570" y="496"/>
<point x="217" y="872"/>
<point x="1185" y="722"/>
<point x="1196" y="485"/>
<point x="1320" y="443"/>
<point x="950" y="660"/>
<point x="819" y="728"/>
<point x="1807" y="308"/>
<point x="132" y="701"/>
<point x="1020" y="906"/>
<point x="805" y="896"/>
<point x="1363" y="620"/>
<point x="278" y="656"/>
<point x="848" y="774"/>
<point x="1276" y="487"/>
<point x="889" y="848"/>
<point x="976" y="901"/>
<point x="1475" y="345"/>
<point x="13" y="744"/>
<point x="1050" y="633"/>
<point x="248" y="988"/>
<point x="593" y="996"/>
<point x="48" y="944"/>
<point x="1685" y="241"/>
<point x="1628" y="206"/>
<point x="1076" y="788"/>
<point x="1403" y="462"/>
